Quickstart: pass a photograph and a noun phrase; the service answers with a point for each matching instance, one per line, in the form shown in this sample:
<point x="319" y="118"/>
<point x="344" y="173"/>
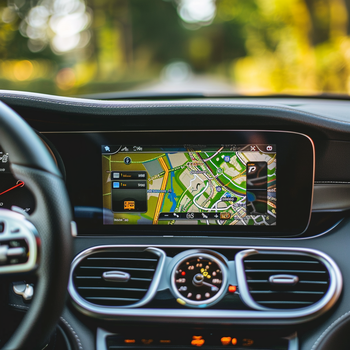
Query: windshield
<point x="250" y="47"/>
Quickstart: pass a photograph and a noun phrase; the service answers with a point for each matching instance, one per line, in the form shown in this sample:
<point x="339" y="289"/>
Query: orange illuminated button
<point x="248" y="342"/>
<point x="232" y="289"/>
<point x="147" y="341"/>
<point x="197" y="340"/>
<point x="234" y="341"/>
<point x="129" y="205"/>
<point x="129" y="341"/>
<point x="165" y="341"/>
<point x="225" y="216"/>
<point x="226" y="340"/>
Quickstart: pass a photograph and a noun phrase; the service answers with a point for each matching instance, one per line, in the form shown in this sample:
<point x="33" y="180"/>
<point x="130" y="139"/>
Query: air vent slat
<point x="312" y="280"/>
<point x="114" y="288"/>
<point x="286" y="292"/>
<point x="282" y="261"/>
<point x="124" y="259"/>
<point x="116" y="268"/>
<point x="285" y="271"/>
<point x="110" y="298"/>
<point x="287" y="302"/>
<point x="92" y="287"/>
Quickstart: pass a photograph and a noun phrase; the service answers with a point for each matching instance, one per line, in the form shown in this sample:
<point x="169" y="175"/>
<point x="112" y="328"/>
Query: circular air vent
<point x="283" y="281"/>
<point x="108" y="277"/>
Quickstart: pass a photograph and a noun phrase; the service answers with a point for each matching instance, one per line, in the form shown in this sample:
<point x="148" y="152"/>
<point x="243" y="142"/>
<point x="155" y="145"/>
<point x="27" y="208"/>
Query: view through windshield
<point x="250" y="47"/>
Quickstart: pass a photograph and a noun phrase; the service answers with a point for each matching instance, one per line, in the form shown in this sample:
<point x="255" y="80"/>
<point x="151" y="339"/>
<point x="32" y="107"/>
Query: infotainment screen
<point x="226" y="185"/>
<point x="206" y="183"/>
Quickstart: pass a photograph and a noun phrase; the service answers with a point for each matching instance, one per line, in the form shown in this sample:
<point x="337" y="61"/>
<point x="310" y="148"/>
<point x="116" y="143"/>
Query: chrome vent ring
<point x="117" y="278"/>
<point x="285" y="279"/>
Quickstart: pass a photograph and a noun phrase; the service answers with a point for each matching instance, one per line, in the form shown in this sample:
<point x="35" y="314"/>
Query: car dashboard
<point x="200" y="222"/>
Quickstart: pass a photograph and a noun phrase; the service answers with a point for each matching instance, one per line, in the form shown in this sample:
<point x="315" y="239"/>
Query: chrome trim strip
<point x="242" y="281"/>
<point x="293" y="342"/>
<point x="210" y="316"/>
<point x="211" y="256"/>
<point x="116" y="276"/>
<point x="324" y="304"/>
<point x="101" y="339"/>
<point x="284" y="279"/>
<point x="151" y="290"/>
<point x="332" y="197"/>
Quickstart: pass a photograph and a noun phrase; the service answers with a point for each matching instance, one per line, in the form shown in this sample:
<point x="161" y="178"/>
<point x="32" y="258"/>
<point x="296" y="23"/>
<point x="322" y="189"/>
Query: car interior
<point x="172" y="215"/>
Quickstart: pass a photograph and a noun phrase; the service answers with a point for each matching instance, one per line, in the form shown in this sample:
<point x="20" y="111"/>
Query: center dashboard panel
<point x="211" y="183"/>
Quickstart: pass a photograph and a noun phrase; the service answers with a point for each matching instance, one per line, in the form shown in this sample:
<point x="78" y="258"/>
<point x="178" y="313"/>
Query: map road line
<point x="161" y="195"/>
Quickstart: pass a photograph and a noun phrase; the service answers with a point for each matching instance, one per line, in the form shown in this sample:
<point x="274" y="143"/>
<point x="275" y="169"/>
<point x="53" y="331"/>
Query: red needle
<point x="19" y="184"/>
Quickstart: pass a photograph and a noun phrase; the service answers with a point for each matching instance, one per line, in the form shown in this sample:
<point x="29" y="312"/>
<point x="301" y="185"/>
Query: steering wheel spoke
<point x="19" y="243"/>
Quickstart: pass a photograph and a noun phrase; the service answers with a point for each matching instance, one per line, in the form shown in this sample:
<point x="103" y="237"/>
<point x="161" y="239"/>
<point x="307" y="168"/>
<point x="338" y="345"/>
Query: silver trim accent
<point x="101" y="339"/>
<point x="211" y="316"/>
<point x="23" y="229"/>
<point x="103" y="309"/>
<point x="213" y="256"/>
<point x="293" y="342"/>
<point x="25" y="290"/>
<point x="116" y="276"/>
<point x="195" y="131"/>
<point x="324" y="304"/>
<point x="284" y="279"/>
<point x="73" y="229"/>
<point x="332" y="197"/>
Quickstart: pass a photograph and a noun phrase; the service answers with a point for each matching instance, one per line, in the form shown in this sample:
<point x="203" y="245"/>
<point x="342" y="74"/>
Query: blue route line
<point x="171" y="196"/>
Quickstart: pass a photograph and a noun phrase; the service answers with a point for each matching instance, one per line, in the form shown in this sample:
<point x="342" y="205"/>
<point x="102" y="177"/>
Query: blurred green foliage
<point x="256" y="46"/>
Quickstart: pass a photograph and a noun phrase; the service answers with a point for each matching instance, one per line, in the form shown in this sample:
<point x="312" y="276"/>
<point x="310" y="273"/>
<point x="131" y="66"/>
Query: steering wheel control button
<point x="25" y="290"/>
<point x="199" y="279"/>
<point x="19" y="252"/>
<point x="3" y="254"/>
<point x="11" y="256"/>
<point x="15" y="243"/>
<point x="18" y="243"/>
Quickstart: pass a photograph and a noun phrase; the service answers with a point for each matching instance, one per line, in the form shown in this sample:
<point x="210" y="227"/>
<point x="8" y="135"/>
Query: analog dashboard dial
<point x="13" y="192"/>
<point x="199" y="280"/>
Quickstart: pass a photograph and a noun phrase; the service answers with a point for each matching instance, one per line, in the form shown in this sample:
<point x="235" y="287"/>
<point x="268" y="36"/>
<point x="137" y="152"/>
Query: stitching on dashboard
<point x="332" y="182"/>
<point x="116" y="105"/>
<point x="77" y="339"/>
<point x="322" y="336"/>
<point x="74" y="333"/>
<point x="20" y="306"/>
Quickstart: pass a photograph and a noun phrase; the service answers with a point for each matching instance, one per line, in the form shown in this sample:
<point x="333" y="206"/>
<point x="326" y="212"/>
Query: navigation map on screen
<point x="189" y="185"/>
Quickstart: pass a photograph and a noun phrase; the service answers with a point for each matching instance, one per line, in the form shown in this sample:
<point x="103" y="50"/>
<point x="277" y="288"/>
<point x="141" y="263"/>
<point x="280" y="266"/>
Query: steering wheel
<point x="45" y="239"/>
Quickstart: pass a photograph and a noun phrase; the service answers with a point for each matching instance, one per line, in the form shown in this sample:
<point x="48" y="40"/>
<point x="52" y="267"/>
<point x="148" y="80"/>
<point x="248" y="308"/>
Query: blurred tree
<point x="262" y="46"/>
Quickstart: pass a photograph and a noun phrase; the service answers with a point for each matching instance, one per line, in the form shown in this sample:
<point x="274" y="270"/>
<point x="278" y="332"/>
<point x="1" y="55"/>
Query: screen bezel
<point x="290" y="182"/>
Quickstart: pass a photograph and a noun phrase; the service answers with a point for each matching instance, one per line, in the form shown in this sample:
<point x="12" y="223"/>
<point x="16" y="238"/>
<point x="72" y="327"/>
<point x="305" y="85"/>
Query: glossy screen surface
<point x="225" y="185"/>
